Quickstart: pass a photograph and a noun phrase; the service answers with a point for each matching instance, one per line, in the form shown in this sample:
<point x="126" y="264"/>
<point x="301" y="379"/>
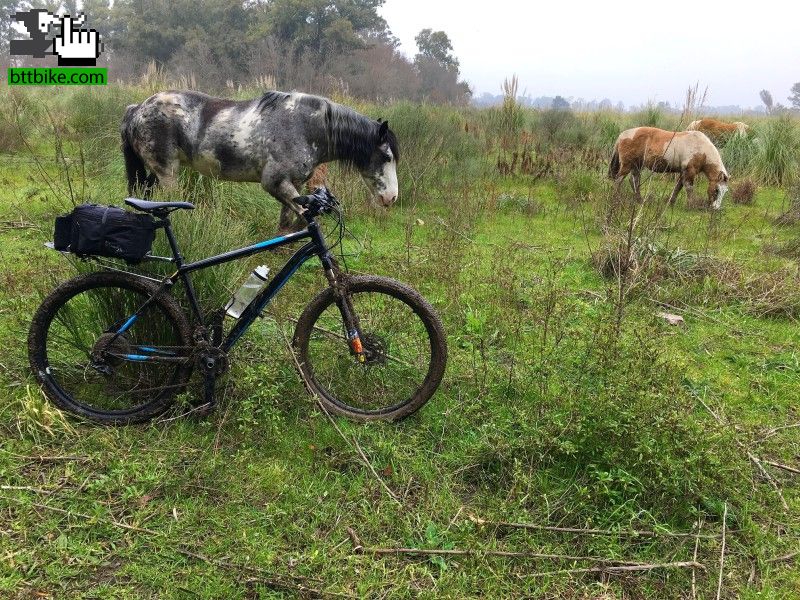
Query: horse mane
<point x="352" y="136"/>
<point x="270" y="99"/>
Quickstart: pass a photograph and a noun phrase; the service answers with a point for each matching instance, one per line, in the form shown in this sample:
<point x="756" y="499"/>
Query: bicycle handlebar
<point x="320" y="201"/>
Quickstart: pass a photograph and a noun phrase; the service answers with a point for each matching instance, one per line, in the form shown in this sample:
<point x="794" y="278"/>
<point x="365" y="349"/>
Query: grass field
<point x="568" y="401"/>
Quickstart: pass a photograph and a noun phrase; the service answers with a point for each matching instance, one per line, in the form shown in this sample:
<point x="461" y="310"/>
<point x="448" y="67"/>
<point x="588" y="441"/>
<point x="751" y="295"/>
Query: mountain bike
<point x="117" y="347"/>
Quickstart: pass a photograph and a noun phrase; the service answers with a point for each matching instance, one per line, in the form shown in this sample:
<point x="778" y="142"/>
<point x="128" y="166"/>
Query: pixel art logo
<point x="73" y="45"/>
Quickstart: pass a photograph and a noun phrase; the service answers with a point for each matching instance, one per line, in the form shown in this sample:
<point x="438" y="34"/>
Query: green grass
<point x="561" y="405"/>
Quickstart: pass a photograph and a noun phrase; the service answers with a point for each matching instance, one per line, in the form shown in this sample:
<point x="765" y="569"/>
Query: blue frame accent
<point x="151" y="350"/>
<point x="127" y="324"/>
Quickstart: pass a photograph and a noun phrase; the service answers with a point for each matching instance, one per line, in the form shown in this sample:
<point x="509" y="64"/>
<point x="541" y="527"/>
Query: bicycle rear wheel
<point x="404" y="350"/>
<point x="86" y="367"/>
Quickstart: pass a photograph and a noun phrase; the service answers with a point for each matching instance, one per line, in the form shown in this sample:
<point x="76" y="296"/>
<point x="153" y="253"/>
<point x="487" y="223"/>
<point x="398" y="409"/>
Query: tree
<point x="560" y="103"/>
<point x="7" y="9"/>
<point x="436" y="46"/>
<point x="766" y="98"/>
<point x="438" y="69"/>
<point x="795" y="97"/>
<point x="321" y="28"/>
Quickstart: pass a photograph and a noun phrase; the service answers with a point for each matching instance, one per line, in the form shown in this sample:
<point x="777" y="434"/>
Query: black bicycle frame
<point x="315" y="247"/>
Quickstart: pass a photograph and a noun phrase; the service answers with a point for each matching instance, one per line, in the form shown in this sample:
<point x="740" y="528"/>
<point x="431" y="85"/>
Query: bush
<point x="743" y="192"/>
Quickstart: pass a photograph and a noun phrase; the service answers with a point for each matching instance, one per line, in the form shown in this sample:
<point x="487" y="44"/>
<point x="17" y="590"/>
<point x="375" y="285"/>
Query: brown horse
<point x="718" y="131"/>
<point x="686" y="152"/>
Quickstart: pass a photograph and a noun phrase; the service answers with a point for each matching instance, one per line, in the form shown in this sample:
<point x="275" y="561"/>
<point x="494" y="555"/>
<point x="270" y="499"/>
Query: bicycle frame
<point x="315" y="247"/>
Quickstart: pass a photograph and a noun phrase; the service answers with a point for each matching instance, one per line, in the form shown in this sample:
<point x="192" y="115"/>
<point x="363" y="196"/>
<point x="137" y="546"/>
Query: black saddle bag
<point x="97" y="230"/>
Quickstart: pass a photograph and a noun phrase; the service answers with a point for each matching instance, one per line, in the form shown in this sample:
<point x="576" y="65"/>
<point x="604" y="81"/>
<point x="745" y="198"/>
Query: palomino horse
<point x="277" y="140"/>
<point x="718" y="131"/>
<point x="684" y="152"/>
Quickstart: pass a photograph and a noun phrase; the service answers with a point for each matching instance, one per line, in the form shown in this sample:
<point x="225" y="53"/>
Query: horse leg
<point x="622" y="173"/>
<point x="635" y="178"/>
<point x="678" y="187"/>
<point x="689" y="183"/>
<point x="285" y="192"/>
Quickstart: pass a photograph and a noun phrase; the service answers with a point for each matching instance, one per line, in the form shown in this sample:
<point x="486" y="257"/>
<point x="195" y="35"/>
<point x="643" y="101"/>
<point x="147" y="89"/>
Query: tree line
<point x="323" y="46"/>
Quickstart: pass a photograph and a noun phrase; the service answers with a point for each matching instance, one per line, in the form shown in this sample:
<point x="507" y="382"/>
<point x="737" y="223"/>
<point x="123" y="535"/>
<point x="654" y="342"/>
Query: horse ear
<point x="383" y="131"/>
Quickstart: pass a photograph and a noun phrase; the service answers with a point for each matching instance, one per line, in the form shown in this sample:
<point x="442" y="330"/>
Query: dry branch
<point x="785" y="558"/>
<point x="752" y="457"/>
<point x="69" y="513"/>
<point x="265" y="577"/>
<point x="357" y="447"/>
<point x="722" y="551"/>
<point x="609" y="563"/>
<point x="577" y="530"/>
<point x="689" y="564"/>
<point x="784" y="467"/>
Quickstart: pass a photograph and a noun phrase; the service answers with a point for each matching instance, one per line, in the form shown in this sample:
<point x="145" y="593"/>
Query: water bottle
<point x="246" y="293"/>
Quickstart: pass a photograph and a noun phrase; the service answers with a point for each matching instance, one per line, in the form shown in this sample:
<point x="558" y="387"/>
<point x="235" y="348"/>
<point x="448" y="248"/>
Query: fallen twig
<point x="25" y="488"/>
<point x="270" y="579"/>
<point x="753" y="458"/>
<point x="46" y="458"/>
<point x="785" y="557"/>
<point x="374" y="472"/>
<point x="784" y="467"/>
<point x="722" y="551"/>
<point x="690" y="564"/>
<point x="8" y="225"/>
<point x="694" y="558"/>
<point x="356" y="445"/>
<point x="359" y="548"/>
<point x="453" y="229"/>
<point x="628" y="532"/>
<point x="69" y="513"/>
<point x="775" y="430"/>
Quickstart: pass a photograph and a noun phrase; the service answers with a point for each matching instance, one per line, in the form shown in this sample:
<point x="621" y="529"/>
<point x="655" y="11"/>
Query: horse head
<point x="380" y="172"/>
<point x="717" y="189"/>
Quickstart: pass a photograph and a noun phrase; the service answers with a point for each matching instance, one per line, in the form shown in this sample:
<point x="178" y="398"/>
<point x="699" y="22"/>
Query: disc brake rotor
<point x="376" y="349"/>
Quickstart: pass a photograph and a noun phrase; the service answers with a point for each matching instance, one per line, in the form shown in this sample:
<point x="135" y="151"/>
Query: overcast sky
<point x="626" y="50"/>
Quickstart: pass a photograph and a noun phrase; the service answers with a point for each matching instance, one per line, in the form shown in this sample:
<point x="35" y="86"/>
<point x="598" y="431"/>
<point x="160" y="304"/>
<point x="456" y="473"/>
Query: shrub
<point x="743" y="192"/>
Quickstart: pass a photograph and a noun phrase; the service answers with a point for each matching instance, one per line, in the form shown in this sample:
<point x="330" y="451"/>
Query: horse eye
<point x="386" y="158"/>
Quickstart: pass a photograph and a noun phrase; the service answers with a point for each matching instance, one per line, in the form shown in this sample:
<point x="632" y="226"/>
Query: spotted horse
<point x="277" y="139"/>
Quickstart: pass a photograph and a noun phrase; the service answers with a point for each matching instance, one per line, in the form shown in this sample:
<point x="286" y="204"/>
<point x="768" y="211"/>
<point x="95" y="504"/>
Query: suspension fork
<point x="344" y="302"/>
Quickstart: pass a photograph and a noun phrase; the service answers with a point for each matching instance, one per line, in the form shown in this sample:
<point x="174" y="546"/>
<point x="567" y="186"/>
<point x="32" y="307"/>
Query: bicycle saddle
<point x="156" y="207"/>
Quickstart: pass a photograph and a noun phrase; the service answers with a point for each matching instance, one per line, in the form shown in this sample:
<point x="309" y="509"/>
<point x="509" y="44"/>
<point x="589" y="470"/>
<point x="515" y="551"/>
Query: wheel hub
<point x="375" y="349"/>
<point x="107" y="351"/>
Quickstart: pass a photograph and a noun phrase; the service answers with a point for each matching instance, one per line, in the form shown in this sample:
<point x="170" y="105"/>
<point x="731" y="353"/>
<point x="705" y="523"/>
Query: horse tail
<point x="613" y="168"/>
<point x="135" y="169"/>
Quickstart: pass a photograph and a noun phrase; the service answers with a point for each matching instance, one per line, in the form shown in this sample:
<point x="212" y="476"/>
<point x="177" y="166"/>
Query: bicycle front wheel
<point x="404" y="350"/>
<point x="96" y="361"/>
